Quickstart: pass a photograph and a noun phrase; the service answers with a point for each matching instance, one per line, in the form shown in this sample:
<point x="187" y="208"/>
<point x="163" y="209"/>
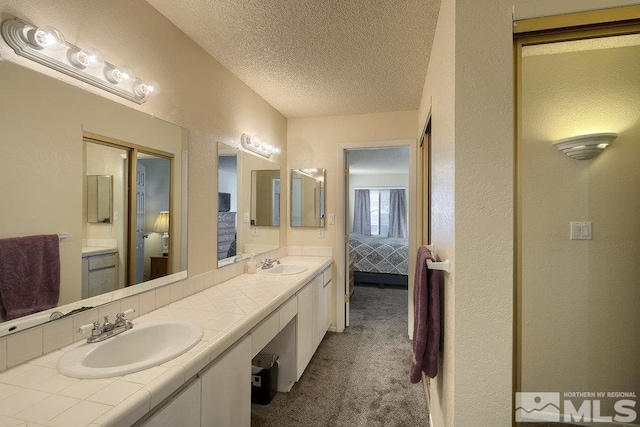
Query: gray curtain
<point x="397" y="213"/>
<point x="362" y="213"/>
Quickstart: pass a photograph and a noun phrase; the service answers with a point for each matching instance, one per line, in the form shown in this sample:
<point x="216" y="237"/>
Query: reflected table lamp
<point x="162" y="226"/>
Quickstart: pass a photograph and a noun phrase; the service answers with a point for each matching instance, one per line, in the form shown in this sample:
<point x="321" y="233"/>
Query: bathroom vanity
<point x="99" y="273"/>
<point x="211" y="383"/>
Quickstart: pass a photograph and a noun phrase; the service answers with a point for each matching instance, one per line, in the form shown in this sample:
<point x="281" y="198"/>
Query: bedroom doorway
<point x="377" y="218"/>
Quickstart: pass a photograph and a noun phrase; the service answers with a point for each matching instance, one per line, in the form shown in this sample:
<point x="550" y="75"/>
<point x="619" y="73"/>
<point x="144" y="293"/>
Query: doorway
<point x="577" y="294"/>
<point x="137" y="226"/>
<point x="381" y="189"/>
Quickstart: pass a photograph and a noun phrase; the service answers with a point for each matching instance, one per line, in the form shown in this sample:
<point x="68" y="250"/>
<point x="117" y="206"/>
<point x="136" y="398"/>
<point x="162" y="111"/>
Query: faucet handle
<point x="93" y="327"/>
<point x="122" y="315"/>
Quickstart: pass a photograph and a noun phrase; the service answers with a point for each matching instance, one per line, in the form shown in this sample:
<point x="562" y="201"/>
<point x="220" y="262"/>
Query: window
<point x="379" y="211"/>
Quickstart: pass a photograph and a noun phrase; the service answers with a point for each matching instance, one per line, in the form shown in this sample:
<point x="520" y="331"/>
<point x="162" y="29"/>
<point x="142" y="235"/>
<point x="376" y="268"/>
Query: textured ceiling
<point x="317" y="57"/>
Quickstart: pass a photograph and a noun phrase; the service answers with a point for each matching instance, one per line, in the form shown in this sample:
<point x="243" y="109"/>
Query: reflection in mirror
<point x="307" y="197"/>
<point x="265" y="198"/>
<point x="237" y="237"/>
<point x="48" y="165"/>
<point x="99" y="198"/>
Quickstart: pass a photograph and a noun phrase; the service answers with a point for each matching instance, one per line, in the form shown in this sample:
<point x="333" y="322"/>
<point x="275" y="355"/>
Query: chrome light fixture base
<point x="40" y="46"/>
<point x="258" y="146"/>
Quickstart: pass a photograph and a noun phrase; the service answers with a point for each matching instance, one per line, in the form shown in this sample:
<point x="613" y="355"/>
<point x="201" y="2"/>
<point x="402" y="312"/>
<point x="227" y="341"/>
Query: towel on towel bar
<point x="426" y="319"/>
<point x="29" y="275"/>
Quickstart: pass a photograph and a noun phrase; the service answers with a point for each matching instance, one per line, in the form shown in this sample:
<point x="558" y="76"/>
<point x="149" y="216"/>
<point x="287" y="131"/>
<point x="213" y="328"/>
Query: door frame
<point x="575" y="26"/>
<point x="341" y="213"/>
<point x="132" y="154"/>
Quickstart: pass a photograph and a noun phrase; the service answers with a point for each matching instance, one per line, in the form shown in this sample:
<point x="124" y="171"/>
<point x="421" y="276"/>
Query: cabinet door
<point x="102" y="281"/>
<point x="226" y="389"/>
<point x="304" y="329"/>
<point x="183" y="410"/>
<point x="318" y="311"/>
<point x="327" y="307"/>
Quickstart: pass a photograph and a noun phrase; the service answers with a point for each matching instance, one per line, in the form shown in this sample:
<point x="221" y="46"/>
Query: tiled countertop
<point x="35" y="394"/>
<point x="97" y="250"/>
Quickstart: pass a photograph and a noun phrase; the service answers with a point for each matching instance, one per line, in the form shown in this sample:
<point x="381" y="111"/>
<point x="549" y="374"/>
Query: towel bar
<point x="63" y="236"/>
<point x="438" y="265"/>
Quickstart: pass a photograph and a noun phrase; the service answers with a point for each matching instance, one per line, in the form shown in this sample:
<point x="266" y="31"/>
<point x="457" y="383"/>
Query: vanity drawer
<point x="102" y="261"/>
<point x="288" y="311"/>
<point x="263" y="333"/>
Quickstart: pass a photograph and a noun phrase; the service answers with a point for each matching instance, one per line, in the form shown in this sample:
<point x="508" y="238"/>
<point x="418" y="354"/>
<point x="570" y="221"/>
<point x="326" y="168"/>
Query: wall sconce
<point x="46" y="46"/>
<point x="584" y="147"/>
<point x="162" y="226"/>
<point x="258" y="146"/>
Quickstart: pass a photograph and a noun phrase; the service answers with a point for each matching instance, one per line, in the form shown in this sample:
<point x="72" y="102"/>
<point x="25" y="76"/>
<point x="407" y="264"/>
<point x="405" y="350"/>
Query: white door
<point x="140" y="201"/>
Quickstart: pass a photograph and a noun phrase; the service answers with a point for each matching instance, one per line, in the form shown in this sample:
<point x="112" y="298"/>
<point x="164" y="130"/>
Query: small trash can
<point x="264" y="378"/>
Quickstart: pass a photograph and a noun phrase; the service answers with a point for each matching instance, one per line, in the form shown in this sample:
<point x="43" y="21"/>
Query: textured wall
<point x="315" y="143"/>
<point x="439" y="97"/>
<point x="474" y="385"/>
<point x="580" y="316"/>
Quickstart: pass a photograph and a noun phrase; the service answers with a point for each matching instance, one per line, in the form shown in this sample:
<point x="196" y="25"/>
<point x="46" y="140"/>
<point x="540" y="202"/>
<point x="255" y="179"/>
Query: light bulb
<point x="149" y="88"/>
<point x="46" y="38"/>
<point x="118" y="75"/>
<point x="89" y="57"/>
<point x="276" y="150"/>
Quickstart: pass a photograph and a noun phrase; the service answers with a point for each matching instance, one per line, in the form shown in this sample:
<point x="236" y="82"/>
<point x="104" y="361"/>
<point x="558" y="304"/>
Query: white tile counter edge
<point x="227" y="312"/>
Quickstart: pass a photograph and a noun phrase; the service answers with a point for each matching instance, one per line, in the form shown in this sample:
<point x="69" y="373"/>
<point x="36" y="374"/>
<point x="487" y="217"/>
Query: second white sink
<point x="284" y="269"/>
<point x="146" y="345"/>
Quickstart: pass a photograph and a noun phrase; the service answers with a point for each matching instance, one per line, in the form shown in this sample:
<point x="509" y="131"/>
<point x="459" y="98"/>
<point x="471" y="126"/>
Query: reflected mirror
<point x="237" y="235"/>
<point x="99" y="198"/>
<point x="60" y="144"/>
<point x="265" y="198"/>
<point x="307" y="197"/>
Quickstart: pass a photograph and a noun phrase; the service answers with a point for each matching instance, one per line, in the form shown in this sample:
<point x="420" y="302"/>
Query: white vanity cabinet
<point x="183" y="410"/>
<point x="314" y="302"/>
<point x="226" y="388"/>
<point x="99" y="273"/>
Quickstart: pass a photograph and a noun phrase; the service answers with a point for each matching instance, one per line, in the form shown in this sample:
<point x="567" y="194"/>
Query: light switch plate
<point x="580" y="231"/>
<point x="332" y="219"/>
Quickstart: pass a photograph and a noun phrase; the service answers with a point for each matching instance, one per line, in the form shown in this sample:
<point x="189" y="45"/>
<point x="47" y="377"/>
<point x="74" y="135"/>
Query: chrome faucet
<point x="107" y="329"/>
<point x="268" y="263"/>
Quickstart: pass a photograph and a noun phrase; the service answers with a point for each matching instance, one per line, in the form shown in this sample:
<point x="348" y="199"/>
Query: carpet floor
<point x="359" y="377"/>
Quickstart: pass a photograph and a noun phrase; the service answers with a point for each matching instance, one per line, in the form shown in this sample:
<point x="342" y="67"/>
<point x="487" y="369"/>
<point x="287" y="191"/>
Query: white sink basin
<point x="284" y="269"/>
<point x="146" y="345"/>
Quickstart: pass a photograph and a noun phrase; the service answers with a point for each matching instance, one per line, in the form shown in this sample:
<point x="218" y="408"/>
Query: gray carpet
<point x="359" y="377"/>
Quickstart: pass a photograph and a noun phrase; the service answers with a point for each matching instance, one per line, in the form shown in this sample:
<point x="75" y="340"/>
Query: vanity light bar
<point x="258" y="146"/>
<point x="47" y="46"/>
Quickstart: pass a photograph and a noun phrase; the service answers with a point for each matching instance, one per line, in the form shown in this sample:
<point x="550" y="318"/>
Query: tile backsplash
<point x="26" y="345"/>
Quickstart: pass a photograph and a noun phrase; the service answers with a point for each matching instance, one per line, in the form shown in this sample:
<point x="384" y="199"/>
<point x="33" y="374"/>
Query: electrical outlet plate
<point x="580" y="231"/>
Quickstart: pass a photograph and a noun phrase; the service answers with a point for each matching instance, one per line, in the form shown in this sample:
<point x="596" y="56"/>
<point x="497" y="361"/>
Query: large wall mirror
<point x="240" y="187"/>
<point x="307" y="197"/>
<point x="75" y="162"/>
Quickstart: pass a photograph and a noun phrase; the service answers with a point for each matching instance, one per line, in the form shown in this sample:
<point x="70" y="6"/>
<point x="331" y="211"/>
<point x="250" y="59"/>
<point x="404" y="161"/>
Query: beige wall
<point x="103" y="160"/>
<point x="580" y="317"/>
<point x="470" y="88"/>
<point x="315" y="142"/>
<point x="439" y="97"/>
<point x="198" y="93"/>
